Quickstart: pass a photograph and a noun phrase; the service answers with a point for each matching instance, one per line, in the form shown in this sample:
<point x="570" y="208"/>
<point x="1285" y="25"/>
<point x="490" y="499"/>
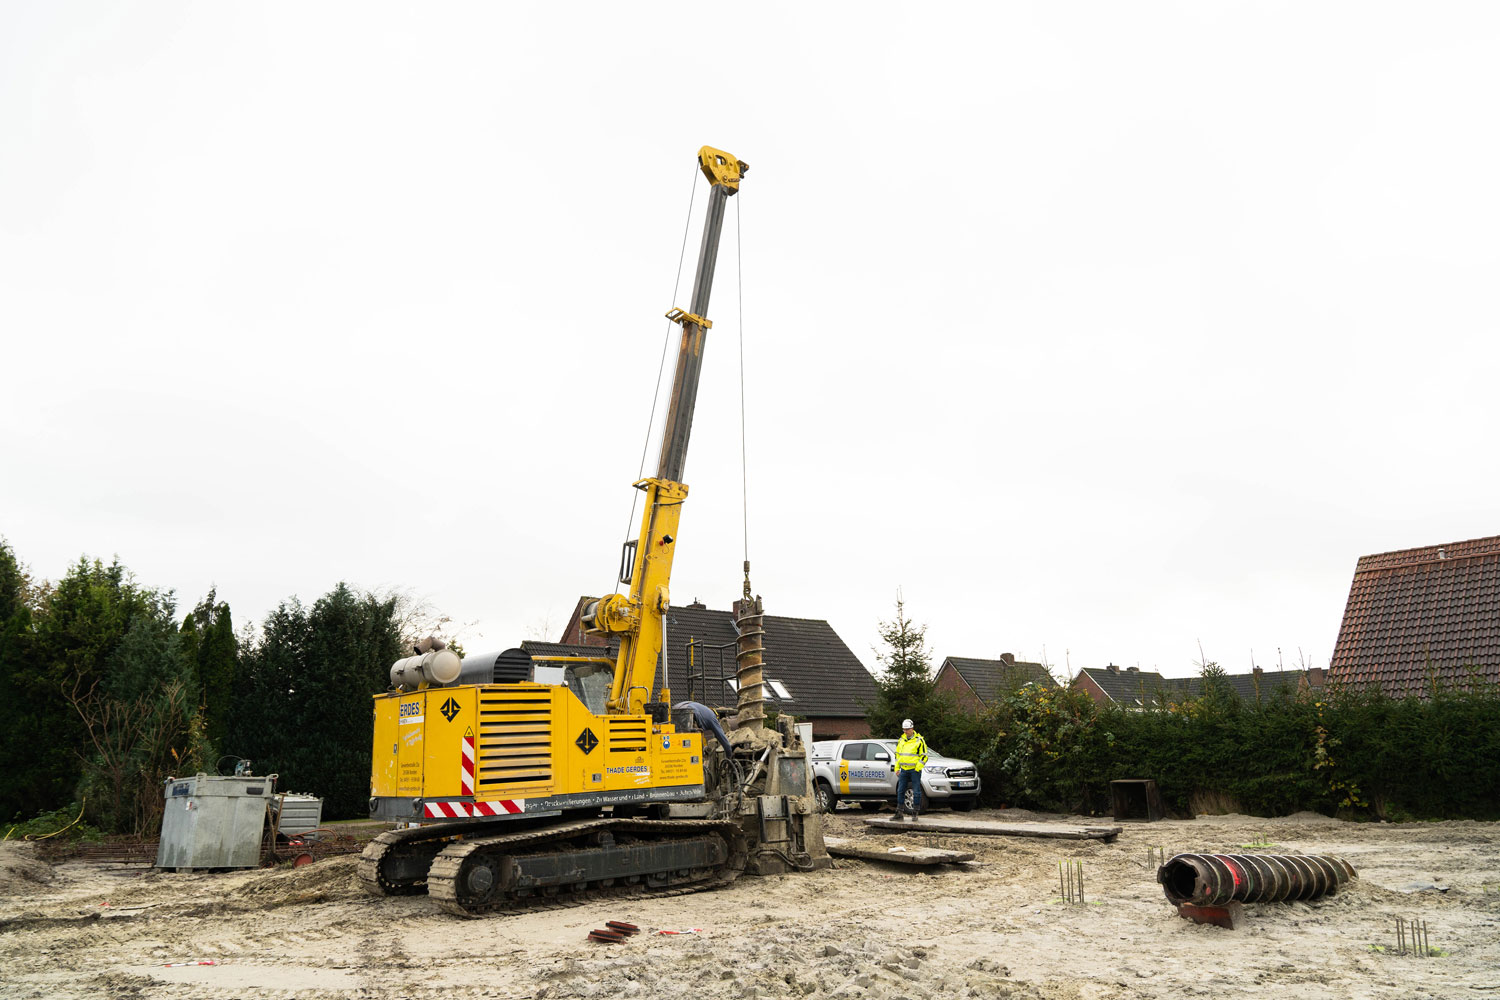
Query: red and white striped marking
<point x="466" y="767"/>
<point x="450" y="809"/>
<point x="455" y="809"/>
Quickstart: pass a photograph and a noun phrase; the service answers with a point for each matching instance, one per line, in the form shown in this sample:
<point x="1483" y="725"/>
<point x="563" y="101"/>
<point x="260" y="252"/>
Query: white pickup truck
<point x="864" y="771"/>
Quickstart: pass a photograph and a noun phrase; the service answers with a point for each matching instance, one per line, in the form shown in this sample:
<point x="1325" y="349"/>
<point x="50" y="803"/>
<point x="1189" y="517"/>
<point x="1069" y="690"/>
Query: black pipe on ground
<point x="1216" y="879"/>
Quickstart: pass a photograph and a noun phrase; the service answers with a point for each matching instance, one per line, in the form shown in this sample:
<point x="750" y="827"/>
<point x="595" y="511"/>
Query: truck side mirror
<point x="882" y="756"/>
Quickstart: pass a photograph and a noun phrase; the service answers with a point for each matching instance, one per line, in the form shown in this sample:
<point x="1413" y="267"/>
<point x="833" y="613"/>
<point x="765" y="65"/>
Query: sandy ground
<point x="995" y="928"/>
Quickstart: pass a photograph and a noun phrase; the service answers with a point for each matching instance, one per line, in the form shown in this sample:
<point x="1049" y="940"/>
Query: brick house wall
<point x="1086" y="683"/>
<point x="950" y="682"/>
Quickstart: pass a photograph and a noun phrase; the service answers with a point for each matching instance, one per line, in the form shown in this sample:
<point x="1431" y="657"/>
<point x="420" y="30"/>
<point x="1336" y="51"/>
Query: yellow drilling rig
<point x="519" y="780"/>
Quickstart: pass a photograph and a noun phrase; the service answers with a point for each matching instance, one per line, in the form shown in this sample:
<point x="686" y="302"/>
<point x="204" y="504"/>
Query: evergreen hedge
<point x="1357" y="755"/>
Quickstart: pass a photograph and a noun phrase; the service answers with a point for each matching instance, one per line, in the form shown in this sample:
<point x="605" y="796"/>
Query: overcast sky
<point x="1097" y="330"/>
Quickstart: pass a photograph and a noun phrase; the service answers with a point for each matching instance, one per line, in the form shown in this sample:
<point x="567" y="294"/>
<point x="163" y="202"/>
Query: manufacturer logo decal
<point x="586" y="741"/>
<point x="450" y="709"/>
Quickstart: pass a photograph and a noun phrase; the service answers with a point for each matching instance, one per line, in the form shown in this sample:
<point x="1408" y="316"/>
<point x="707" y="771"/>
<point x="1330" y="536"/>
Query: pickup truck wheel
<point x="909" y="802"/>
<point x="827" y="801"/>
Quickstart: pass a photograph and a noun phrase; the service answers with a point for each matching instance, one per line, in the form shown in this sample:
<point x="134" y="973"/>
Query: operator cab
<point x="588" y="678"/>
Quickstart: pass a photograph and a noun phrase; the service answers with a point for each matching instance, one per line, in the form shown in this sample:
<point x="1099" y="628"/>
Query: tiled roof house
<point x="809" y="671"/>
<point x="977" y="684"/>
<point x="1419" y="617"/>
<point x="1138" y="689"/>
<point x="1259" y="684"/>
<point x="1131" y="687"/>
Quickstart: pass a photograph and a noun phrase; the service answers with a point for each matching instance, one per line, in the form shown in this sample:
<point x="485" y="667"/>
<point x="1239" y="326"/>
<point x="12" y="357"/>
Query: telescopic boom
<point x="639" y="615"/>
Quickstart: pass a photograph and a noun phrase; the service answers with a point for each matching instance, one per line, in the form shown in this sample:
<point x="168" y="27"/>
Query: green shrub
<point x="48" y="824"/>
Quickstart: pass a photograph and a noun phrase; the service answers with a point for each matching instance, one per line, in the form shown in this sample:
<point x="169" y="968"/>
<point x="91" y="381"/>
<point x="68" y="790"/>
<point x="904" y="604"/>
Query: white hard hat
<point x="906" y="724"/>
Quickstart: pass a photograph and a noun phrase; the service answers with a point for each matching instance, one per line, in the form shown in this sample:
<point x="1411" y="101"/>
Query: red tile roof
<point x="1418" y="615"/>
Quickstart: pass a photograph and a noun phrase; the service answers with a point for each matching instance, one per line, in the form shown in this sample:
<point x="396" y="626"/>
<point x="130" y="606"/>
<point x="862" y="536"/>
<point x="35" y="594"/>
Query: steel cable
<point x="739" y="268"/>
<point x="661" y="365"/>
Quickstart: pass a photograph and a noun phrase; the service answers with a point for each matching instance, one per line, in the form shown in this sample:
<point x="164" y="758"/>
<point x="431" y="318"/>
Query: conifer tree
<point x="302" y="705"/>
<point x="20" y="783"/>
<point x="905" y="689"/>
<point x="211" y="649"/>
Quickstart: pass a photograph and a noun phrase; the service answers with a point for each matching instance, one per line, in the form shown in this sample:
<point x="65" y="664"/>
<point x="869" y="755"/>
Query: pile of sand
<point x="20" y="870"/>
<point x="329" y="879"/>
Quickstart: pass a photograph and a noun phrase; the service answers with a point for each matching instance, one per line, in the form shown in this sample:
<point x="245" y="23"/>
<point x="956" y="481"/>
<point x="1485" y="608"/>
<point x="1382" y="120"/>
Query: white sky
<point x="1095" y="328"/>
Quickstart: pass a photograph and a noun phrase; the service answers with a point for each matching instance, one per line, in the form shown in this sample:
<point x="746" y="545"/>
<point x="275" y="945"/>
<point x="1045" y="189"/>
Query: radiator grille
<point x="628" y="735"/>
<point x="515" y="740"/>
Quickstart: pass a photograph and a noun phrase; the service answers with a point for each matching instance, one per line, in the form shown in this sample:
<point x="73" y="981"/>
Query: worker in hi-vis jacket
<point x="911" y="757"/>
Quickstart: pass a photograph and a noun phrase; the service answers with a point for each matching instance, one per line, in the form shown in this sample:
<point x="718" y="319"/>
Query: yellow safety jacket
<point x="911" y="752"/>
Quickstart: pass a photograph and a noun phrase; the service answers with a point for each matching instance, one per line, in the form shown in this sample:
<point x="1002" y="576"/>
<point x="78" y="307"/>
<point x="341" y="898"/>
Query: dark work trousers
<point x="909" y="779"/>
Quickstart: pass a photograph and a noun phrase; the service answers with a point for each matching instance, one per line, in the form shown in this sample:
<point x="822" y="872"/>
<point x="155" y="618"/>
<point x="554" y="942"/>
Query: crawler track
<point x="472" y="873"/>
<point x="391" y="864"/>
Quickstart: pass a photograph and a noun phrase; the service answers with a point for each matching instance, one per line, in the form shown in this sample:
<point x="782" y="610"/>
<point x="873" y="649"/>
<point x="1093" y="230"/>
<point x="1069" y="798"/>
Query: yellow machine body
<point x="476" y="751"/>
<point x="453" y="752"/>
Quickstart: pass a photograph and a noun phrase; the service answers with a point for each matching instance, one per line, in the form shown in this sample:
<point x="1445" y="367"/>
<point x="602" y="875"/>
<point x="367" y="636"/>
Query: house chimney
<point x="1132" y="670"/>
<point x="1113" y="668"/>
<point x="1009" y="659"/>
<point x="1315" y="677"/>
<point x="698" y="605"/>
<point x="1256" y="671"/>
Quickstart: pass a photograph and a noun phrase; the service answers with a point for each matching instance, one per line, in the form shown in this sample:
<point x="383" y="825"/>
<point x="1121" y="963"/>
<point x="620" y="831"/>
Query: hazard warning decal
<point x="586" y="741"/>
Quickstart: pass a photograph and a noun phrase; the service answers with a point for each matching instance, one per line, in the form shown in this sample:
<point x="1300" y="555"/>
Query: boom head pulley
<point x="722" y="168"/>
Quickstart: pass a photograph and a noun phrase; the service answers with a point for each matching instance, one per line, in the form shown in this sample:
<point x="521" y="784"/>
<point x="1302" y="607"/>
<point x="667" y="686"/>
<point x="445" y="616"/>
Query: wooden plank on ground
<point x="900" y="854"/>
<point x="984" y="828"/>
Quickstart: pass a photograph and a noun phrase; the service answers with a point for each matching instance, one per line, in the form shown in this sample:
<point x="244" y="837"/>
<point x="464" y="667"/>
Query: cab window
<point x="854" y="751"/>
<point x="590" y="683"/>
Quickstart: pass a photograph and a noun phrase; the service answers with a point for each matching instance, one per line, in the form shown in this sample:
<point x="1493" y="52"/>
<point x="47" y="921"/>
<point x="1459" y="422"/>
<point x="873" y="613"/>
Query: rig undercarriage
<point x="475" y="868"/>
